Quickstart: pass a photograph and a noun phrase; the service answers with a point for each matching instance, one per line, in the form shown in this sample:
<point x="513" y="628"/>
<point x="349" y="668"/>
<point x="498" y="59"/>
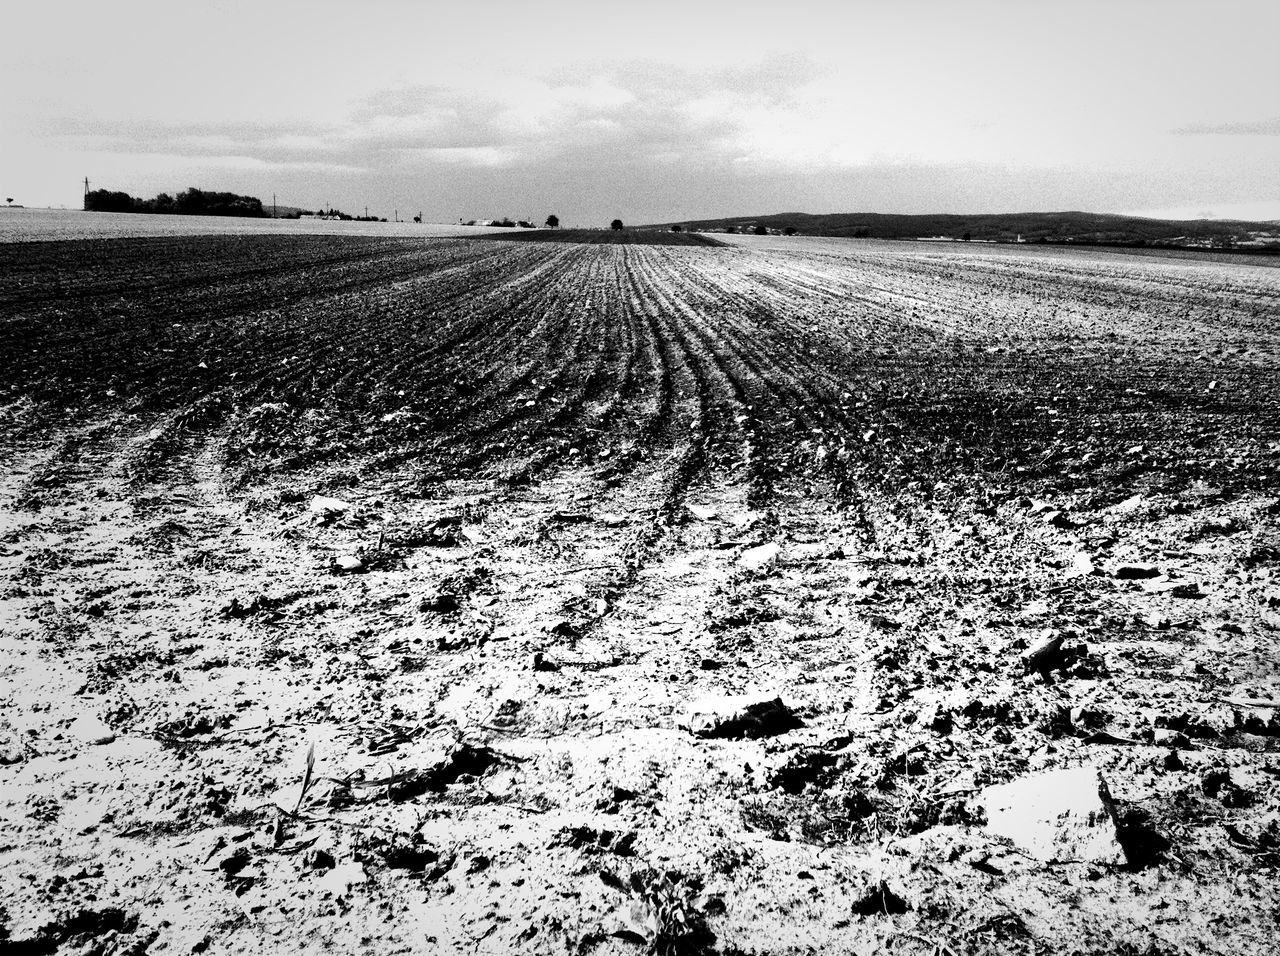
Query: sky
<point x="650" y="111"/>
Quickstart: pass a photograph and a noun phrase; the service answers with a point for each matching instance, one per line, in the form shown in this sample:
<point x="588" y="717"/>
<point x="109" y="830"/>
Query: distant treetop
<point x="189" y="202"/>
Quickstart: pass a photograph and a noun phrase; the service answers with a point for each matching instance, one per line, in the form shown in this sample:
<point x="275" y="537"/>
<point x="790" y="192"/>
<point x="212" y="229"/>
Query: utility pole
<point x="397" y="215"/>
<point x="366" y="211"/>
<point x="274" y="214"/>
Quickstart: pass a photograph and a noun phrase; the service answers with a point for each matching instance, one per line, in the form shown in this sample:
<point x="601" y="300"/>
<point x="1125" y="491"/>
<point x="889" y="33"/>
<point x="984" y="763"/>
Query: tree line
<point x="189" y="202"/>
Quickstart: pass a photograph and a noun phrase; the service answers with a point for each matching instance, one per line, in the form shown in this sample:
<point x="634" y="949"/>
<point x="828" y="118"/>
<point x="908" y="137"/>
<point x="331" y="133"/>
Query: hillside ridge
<point x="1071" y="226"/>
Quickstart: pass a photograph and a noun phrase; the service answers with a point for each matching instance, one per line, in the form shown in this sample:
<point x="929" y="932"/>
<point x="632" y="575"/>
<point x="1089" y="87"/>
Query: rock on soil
<point x="762" y="558"/>
<point x="1134" y="571"/>
<point x="12" y="749"/>
<point x="1062" y="816"/>
<point x="1044" y="655"/>
<point x="322" y="505"/>
<point x="91" y="730"/>
<point x="1081" y="563"/>
<point x="740" y="715"/>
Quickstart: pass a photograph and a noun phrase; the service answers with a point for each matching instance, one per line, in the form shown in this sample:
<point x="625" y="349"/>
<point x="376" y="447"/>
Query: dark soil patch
<point x="614" y="237"/>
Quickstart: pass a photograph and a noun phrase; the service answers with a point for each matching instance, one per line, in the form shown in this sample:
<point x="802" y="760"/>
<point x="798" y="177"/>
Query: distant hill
<point x="1055" y="227"/>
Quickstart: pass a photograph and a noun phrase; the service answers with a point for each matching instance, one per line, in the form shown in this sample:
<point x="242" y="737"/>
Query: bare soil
<point x="449" y="709"/>
<point x="624" y="237"/>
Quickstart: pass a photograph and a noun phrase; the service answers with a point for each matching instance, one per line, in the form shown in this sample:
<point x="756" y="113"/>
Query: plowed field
<point x="362" y="593"/>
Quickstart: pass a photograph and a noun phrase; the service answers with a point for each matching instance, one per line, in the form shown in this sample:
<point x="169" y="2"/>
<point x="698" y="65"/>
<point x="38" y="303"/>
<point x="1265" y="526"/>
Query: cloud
<point x="411" y="100"/>
<point x="1266" y="127"/>
<point x="256" y="164"/>
<point x="477" y="156"/>
<point x="616" y="115"/>
<point x="297" y="145"/>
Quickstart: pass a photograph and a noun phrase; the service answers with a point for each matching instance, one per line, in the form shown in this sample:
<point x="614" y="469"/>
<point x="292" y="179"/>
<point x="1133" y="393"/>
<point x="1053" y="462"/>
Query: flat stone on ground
<point x="1057" y="816"/>
<point x="91" y="730"/>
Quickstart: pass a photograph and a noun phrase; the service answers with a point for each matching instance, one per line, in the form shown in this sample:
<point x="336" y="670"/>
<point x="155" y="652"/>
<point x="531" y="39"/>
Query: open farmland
<point x="566" y="492"/>
<point x="41" y="225"/>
